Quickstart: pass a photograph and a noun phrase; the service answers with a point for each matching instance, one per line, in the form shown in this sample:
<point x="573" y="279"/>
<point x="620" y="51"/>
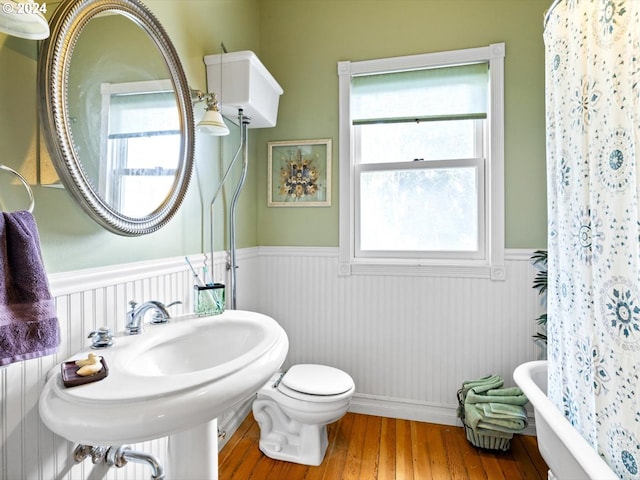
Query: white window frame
<point x="488" y="264"/>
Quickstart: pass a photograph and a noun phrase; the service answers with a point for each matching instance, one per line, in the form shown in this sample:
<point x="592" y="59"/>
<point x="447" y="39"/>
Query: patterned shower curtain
<point x="593" y="136"/>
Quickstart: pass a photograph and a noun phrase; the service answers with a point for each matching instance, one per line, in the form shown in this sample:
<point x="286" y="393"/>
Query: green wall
<point x="301" y="42"/>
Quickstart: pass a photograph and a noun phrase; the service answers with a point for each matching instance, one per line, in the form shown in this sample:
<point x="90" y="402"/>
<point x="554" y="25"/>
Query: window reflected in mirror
<point x="140" y="140"/>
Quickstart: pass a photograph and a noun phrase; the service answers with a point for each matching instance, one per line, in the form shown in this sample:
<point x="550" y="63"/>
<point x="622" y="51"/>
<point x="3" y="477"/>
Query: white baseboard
<point x="403" y="409"/>
<point x="416" y="411"/>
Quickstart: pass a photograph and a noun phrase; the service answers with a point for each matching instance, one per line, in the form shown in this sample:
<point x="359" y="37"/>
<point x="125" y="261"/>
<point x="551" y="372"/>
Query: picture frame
<point x="299" y="173"/>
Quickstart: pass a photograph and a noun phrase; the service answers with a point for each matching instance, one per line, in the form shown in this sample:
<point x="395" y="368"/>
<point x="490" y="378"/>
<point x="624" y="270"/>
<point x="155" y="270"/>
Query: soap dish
<point x="71" y="379"/>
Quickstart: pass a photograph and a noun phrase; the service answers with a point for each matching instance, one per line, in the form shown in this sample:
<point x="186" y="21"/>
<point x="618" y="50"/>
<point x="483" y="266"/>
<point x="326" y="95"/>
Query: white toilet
<point x="294" y="408"/>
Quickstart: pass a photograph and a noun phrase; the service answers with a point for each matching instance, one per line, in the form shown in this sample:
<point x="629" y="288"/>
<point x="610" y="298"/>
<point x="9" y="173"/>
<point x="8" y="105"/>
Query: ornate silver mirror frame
<point x="54" y="61"/>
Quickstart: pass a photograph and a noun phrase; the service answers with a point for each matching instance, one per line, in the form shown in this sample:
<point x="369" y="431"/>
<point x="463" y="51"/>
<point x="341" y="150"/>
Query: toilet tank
<point x="240" y="80"/>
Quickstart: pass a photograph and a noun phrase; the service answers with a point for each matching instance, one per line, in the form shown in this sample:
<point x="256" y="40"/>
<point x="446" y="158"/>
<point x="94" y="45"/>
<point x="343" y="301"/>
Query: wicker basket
<point x="489" y="442"/>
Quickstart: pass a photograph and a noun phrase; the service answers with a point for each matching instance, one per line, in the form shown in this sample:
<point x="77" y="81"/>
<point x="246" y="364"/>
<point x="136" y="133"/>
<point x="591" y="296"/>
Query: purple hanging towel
<point x="28" y="323"/>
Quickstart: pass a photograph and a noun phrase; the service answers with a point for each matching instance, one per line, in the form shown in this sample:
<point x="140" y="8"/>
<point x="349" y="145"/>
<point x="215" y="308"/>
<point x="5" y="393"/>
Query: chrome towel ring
<point x="24" y="182"/>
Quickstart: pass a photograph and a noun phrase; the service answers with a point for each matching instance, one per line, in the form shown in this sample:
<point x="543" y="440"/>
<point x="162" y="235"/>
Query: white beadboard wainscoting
<point x="407" y="341"/>
<point x="87" y="300"/>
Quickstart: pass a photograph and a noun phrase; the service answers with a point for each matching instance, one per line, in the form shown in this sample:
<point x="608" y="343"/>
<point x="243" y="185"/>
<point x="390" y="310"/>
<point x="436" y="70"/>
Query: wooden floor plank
<point x="455" y="459"/>
<point x="509" y="467"/>
<point x="404" y="450"/>
<point x="421" y="456"/>
<point x="471" y="457"/>
<point x="525" y="465"/>
<point x="245" y="445"/>
<point x="249" y="462"/>
<point x="437" y="454"/>
<point x="491" y="466"/>
<point x="263" y="468"/>
<point x="318" y="473"/>
<point x="364" y="447"/>
<point x="291" y="471"/>
<point x="371" y="450"/>
<point x="229" y="448"/>
<point x="353" y="459"/>
<point x="387" y="462"/>
<point x="336" y="461"/>
<point x="531" y="447"/>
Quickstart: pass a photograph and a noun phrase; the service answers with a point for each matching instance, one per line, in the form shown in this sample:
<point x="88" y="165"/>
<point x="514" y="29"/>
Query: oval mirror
<point x="116" y="113"/>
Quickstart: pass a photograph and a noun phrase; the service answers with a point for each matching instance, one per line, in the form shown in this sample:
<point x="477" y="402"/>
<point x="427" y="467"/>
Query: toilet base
<point x="283" y="438"/>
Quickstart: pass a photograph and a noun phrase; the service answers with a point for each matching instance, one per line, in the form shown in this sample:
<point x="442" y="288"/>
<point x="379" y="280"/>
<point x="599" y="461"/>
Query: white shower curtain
<point x="593" y="135"/>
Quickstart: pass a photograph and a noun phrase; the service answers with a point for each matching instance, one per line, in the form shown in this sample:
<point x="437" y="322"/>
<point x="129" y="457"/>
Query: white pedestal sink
<point x="199" y="446"/>
<point x="172" y="380"/>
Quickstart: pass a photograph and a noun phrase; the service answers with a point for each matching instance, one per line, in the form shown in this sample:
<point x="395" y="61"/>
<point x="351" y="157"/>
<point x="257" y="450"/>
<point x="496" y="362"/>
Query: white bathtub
<point x="566" y="452"/>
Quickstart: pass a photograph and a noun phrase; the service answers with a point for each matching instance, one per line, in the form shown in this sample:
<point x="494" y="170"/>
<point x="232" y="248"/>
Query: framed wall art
<point x="299" y="173"/>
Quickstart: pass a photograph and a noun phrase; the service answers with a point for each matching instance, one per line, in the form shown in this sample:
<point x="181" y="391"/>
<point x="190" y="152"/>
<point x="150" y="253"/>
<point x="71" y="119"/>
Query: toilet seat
<point x="311" y="379"/>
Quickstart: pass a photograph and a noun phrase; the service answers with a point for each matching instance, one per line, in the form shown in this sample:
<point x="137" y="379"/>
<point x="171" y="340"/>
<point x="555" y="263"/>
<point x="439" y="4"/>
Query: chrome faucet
<point x="136" y="314"/>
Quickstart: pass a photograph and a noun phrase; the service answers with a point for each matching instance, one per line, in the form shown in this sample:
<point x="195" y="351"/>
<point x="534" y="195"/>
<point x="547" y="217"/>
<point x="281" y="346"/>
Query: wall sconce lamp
<point x="23" y="19"/>
<point x="211" y="122"/>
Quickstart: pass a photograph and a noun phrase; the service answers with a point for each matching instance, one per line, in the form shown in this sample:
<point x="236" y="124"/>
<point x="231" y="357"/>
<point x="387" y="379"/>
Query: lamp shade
<point x="213" y="124"/>
<point x="23" y="19"/>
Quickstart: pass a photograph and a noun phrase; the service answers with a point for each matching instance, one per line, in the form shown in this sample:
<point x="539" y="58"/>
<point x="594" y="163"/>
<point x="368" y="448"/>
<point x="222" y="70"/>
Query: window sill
<point x="461" y="270"/>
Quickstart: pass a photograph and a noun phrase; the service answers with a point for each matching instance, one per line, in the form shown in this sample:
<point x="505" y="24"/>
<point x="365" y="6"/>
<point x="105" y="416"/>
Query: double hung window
<point x="421" y="163"/>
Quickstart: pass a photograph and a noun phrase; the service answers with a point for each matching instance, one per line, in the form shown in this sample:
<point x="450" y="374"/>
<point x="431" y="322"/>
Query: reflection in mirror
<point x="140" y="145"/>
<point x="125" y="94"/>
<point x="117" y="113"/>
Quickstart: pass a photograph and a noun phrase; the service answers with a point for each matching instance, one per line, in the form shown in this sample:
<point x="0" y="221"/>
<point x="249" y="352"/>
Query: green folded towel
<point x="501" y="392"/>
<point x="500" y="428"/>
<point x="504" y="410"/>
<point x="483" y="384"/>
<point x="495" y="397"/>
<point x="475" y="417"/>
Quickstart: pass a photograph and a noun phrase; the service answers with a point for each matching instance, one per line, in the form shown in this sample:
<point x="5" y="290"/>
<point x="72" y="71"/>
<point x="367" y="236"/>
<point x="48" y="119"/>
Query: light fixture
<point x="212" y="122"/>
<point x="23" y="19"/>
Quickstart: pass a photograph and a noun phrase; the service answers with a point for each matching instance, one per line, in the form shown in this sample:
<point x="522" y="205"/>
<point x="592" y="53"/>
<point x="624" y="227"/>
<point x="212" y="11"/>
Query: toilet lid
<point x="317" y="380"/>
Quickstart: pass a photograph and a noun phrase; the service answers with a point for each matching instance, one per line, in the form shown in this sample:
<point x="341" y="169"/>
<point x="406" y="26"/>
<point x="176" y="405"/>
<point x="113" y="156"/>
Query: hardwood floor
<point x="366" y="447"/>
